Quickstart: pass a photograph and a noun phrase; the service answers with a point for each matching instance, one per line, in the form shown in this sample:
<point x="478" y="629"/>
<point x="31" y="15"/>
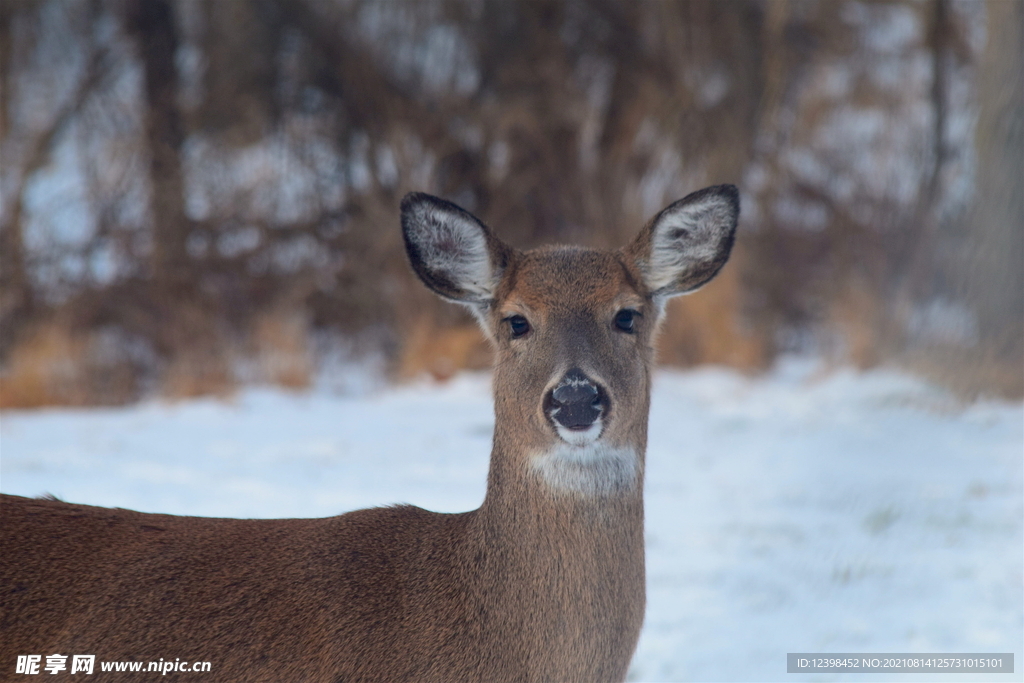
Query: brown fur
<point x="535" y="585"/>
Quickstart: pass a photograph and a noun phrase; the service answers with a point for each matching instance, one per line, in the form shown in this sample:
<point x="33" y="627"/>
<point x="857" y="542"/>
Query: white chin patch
<point x="591" y="468"/>
<point x="580" y="437"/>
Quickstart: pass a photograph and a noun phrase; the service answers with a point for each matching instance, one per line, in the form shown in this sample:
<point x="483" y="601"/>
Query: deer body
<point x="544" y="582"/>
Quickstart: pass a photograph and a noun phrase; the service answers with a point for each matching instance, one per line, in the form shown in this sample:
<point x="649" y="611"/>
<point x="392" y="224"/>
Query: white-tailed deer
<point x="544" y="582"/>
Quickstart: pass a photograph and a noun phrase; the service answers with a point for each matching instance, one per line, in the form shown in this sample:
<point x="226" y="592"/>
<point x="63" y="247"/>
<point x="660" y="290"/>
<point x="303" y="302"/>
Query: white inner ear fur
<point x="456" y="248"/>
<point x="685" y="237"/>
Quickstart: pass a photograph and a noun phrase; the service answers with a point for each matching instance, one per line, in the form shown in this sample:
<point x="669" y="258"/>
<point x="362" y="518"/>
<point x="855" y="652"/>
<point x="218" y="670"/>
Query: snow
<point x="803" y="511"/>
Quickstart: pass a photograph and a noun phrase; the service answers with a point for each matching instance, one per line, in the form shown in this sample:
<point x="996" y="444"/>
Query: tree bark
<point x="153" y="24"/>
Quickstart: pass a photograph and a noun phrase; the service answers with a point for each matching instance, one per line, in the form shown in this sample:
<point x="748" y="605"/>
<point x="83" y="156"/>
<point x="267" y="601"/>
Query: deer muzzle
<point x="576" y="402"/>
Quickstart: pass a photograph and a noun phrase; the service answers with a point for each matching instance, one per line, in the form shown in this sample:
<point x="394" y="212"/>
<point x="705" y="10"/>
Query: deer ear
<point x="451" y="250"/>
<point x="688" y="242"/>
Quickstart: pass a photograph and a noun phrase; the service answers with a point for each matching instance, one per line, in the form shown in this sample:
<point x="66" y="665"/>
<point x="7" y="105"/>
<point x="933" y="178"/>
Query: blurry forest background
<point x="198" y="194"/>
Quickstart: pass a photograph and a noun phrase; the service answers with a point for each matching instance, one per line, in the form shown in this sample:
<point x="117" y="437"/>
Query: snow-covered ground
<point x="798" y="512"/>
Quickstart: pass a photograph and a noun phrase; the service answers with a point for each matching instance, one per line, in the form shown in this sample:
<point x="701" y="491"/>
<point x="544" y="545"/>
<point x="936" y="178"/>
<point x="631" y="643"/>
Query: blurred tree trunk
<point x="14" y="290"/>
<point x="152" y="22"/>
<point x="18" y="302"/>
<point x="939" y="40"/>
<point x="994" y="262"/>
<point x="186" y="326"/>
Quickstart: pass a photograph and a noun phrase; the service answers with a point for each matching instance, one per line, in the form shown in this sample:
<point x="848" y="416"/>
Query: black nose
<point x="576" y="402"/>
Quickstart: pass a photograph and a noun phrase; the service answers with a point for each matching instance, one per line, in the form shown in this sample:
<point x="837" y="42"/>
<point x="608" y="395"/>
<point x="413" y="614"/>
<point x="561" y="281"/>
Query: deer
<point x="545" y="581"/>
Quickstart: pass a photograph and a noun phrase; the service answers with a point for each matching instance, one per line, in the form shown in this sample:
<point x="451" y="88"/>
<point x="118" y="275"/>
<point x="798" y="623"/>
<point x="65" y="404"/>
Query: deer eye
<point x="625" y="319"/>
<point x="519" y="325"/>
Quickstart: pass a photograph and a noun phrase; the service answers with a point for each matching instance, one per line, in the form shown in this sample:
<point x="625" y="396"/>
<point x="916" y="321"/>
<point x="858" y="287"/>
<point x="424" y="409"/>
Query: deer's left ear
<point x="688" y="242"/>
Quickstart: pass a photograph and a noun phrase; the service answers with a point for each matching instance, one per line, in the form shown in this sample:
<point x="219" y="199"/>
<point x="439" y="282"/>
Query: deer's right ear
<point x="451" y="250"/>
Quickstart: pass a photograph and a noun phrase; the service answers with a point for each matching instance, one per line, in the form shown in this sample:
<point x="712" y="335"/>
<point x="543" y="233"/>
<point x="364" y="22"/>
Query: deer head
<point x="573" y="328"/>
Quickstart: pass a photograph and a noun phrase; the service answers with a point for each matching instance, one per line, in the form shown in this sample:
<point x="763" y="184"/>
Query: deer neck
<point x="540" y="493"/>
<point x="565" y="568"/>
